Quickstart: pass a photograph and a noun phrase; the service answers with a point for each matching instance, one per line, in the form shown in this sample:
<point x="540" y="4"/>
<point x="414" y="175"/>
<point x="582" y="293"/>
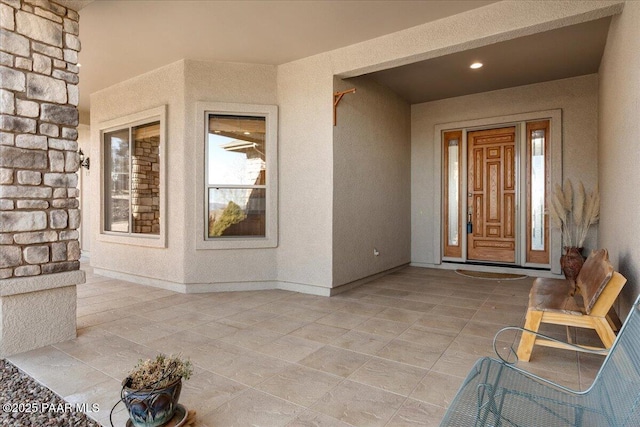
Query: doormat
<point x="487" y="275"/>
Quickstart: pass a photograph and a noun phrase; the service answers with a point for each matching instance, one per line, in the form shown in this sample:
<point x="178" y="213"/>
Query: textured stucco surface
<point x="619" y="149"/>
<point x="84" y="184"/>
<point x="164" y="86"/>
<point x="38" y="311"/>
<point x="578" y="99"/>
<point x="304" y="97"/>
<point x="371" y="175"/>
<point x="306" y="171"/>
<point x="225" y="83"/>
<point x="179" y="86"/>
<point x="307" y="249"/>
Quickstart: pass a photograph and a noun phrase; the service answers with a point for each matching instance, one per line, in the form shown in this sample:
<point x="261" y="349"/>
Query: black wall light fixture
<point x="84" y="162"/>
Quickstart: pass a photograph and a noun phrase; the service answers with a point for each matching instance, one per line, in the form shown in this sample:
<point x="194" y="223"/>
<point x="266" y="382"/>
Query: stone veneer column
<point x="39" y="215"/>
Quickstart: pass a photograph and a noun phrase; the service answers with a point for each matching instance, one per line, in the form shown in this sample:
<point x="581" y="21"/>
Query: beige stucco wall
<point x="306" y="252"/>
<point x="179" y="86"/>
<point x="225" y="83"/>
<point x="619" y="149"/>
<point x="84" y="184"/>
<point x="305" y="172"/>
<point x="578" y="99"/>
<point x="164" y="86"/>
<point x="304" y="98"/>
<point x="371" y="176"/>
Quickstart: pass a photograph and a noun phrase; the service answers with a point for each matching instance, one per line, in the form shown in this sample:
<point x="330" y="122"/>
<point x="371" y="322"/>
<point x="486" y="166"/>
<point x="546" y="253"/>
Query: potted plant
<point x="574" y="212"/>
<point x="152" y="389"/>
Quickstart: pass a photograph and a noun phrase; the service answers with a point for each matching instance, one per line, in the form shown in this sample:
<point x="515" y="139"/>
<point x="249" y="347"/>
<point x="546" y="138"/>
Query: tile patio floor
<point x="390" y="353"/>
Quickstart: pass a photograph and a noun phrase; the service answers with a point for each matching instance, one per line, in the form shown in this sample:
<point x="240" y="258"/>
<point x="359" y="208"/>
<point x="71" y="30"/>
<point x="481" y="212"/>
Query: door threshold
<point x="497" y="264"/>
<point x="498" y="268"/>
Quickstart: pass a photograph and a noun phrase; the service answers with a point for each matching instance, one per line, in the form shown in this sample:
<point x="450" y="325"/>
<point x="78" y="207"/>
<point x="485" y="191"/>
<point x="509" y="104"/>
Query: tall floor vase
<point x="571" y="262"/>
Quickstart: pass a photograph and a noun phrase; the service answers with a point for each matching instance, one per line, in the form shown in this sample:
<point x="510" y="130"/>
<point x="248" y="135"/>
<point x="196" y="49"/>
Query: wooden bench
<point x="554" y="301"/>
<point x="497" y="393"/>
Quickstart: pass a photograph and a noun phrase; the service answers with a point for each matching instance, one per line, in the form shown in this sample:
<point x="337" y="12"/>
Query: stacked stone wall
<point x="39" y="214"/>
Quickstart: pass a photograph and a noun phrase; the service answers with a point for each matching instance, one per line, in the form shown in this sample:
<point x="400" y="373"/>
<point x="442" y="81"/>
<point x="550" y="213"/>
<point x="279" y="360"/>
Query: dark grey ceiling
<point x="566" y="52"/>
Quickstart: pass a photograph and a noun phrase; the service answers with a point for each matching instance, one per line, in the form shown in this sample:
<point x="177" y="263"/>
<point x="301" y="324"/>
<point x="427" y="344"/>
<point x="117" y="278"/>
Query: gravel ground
<point x="25" y="402"/>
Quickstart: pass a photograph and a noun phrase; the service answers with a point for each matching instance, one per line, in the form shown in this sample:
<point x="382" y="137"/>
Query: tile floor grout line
<point x="399" y="299"/>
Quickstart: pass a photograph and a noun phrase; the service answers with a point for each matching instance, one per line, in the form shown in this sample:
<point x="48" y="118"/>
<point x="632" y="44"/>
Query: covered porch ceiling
<point x="566" y="52"/>
<point x="122" y="39"/>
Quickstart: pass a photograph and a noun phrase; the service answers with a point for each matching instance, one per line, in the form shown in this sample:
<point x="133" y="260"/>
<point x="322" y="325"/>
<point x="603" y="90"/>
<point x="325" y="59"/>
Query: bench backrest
<point x="617" y="384"/>
<point x="594" y="278"/>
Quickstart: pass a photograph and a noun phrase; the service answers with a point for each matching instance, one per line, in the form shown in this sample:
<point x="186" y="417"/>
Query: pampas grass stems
<point x="573" y="213"/>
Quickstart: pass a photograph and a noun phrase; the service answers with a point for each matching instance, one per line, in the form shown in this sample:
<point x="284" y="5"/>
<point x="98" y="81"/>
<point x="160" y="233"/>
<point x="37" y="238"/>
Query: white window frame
<point x="270" y="113"/>
<point x="128" y="121"/>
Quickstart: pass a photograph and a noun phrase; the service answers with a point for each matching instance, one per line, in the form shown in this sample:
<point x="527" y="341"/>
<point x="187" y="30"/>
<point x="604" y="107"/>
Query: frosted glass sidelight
<point x="537" y="177"/>
<point x="454" y="185"/>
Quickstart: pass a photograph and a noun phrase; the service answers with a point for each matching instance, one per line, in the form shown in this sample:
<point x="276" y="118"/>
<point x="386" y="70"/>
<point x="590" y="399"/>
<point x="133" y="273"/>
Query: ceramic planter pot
<point x="152" y="407"/>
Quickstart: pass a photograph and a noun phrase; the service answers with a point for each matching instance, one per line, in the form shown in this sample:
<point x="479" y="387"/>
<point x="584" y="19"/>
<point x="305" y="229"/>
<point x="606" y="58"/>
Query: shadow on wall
<point x="629" y="293"/>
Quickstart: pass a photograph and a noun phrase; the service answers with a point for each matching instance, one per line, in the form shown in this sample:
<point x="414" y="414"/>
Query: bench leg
<point x="527" y="340"/>
<point x="603" y="328"/>
<point x="614" y="320"/>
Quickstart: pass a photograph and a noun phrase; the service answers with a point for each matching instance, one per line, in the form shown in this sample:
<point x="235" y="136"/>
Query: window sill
<point x="237" y="243"/>
<point x="142" y="240"/>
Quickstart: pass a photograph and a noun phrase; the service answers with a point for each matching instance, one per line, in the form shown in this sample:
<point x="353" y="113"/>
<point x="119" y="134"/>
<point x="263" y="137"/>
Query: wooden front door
<point x="491" y="189"/>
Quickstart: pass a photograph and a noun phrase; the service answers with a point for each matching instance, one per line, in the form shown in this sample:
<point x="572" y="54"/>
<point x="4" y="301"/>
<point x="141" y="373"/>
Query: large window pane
<point x="236" y="212"/>
<point x="116" y="177"/>
<point x="236" y="150"/>
<point x="236" y="176"/>
<point x="132" y="180"/>
<point x="132" y="175"/>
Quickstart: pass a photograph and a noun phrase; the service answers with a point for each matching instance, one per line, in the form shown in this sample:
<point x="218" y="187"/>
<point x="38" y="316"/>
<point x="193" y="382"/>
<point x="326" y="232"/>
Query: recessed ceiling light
<point x="79" y="65"/>
<point x="247" y="133"/>
<point x="476" y="65"/>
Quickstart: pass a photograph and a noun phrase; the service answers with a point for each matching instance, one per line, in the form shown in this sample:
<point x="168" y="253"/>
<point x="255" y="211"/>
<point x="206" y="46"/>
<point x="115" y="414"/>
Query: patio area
<point x="392" y="352"/>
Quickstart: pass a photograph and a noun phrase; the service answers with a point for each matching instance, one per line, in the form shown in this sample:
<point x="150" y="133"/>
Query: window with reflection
<point x="236" y="176"/>
<point x="132" y="179"/>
